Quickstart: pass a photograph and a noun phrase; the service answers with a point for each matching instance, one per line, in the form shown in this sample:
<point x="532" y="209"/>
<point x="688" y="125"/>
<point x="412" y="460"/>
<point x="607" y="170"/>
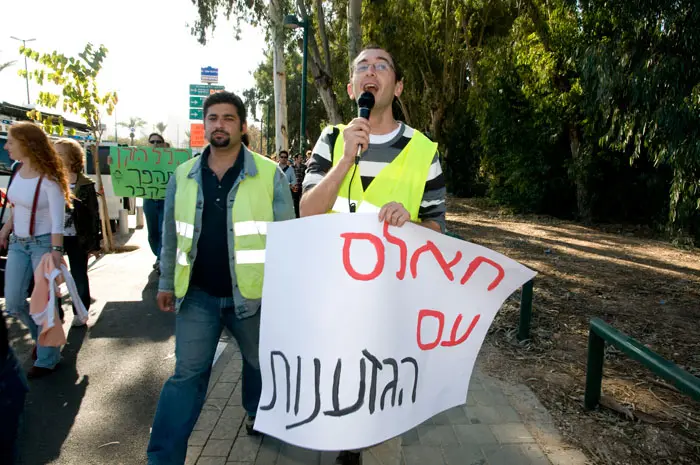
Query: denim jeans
<point x="198" y="326"/>
<point x="153" y="211"/>
<point x="23" y="256"/>
<point x="13" y="389"/>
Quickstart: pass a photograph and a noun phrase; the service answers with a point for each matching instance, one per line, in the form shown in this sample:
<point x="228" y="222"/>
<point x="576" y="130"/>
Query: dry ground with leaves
<point x="644" y="287"/>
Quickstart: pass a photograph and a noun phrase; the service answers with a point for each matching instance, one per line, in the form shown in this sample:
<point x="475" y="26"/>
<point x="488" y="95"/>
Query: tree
<point x="77" y="78"/>
<point x="133" y="124"/>
<point x="160" y="128"/>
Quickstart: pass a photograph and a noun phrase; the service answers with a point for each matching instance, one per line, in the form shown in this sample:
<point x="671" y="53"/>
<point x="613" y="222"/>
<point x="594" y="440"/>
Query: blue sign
<point x="210" y="74"/>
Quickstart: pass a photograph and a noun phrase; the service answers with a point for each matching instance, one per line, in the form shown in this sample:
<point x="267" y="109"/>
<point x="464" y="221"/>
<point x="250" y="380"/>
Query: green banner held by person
<point x="144" y="171"/>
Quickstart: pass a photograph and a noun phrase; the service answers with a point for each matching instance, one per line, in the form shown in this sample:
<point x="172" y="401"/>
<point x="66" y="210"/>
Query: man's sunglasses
<point x="155" y="142"/>
<point x="284" y="156"/>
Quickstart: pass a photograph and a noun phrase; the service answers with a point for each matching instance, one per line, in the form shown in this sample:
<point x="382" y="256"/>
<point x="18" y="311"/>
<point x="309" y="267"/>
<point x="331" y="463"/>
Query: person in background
<point x="299" y="171"/>
<point x="38" y="194"/>
<point x="283" y="162"/>
<point x="82" y="232"/>
<point x="13" y="390"/>
<point x="153" y="210"/>
<point x="309" y="153"/>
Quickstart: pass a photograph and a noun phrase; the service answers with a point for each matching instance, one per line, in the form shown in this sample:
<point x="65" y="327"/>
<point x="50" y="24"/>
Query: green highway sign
<point x="196" y="102"/>
<point x="203" y="89"/>
<point x="196" y="113"/>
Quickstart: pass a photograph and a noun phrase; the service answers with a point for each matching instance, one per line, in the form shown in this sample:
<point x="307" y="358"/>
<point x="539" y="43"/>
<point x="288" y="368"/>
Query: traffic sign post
<point x="196" y="102"/>
<point x="210" y="75"/>
<point x="204" y="90"/>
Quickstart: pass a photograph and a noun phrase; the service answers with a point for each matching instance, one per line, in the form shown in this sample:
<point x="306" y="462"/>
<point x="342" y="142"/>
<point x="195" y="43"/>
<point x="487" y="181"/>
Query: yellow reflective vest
<point x="403" y="180"/>
<point x="252" y="210"/>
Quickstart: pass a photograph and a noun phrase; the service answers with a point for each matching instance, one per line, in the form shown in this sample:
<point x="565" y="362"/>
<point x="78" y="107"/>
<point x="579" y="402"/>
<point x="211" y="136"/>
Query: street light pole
<point x="292" y="22"/>
<point x="26" y="68"/>
<point x="302" y="135"/>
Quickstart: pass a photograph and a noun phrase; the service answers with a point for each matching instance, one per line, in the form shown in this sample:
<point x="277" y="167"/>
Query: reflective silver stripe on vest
<point x="182" y="258"/>
<point x="249" y="257"/>
<point x="250" y="228"/>
<point x="184" y="229"/>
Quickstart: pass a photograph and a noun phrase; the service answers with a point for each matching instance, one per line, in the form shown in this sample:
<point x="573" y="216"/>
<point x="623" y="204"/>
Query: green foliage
<point x="77" y="79"/>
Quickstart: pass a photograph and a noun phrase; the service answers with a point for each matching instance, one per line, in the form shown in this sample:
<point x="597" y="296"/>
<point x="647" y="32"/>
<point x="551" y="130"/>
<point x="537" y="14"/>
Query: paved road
<point x="98" y="406"/>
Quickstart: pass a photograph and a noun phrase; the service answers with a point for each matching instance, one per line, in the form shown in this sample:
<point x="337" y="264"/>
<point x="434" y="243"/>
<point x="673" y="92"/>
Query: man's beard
<point x="220" y="143"/>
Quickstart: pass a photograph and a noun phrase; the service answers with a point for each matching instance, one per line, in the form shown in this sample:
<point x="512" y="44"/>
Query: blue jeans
<point x="153" y="211"/>
<point x="23" y="256"/>
<point x="13" y="389"/>
<point x="198" y="326"/>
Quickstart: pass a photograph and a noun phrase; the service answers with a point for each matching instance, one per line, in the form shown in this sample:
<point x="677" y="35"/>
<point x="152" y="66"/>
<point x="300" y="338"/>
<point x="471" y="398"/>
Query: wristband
<point x="57" y="248"/>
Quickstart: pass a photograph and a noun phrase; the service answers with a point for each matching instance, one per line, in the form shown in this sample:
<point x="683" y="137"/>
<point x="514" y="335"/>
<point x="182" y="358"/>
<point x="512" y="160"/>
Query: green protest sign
<point x="144" y="171"/>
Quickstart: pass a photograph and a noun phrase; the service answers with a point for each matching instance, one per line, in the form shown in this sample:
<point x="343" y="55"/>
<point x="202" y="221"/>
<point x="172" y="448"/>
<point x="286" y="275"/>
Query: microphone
<point x="365" y="104"/>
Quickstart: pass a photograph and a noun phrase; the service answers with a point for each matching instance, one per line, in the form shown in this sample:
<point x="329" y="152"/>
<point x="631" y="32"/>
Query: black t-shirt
<point x="211" y="270"/>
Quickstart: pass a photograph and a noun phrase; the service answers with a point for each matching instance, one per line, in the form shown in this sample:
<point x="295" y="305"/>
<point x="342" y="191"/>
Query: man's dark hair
<point x="225" y="97"/>
<point x="395" y="65"/>
<point x="283" y="152"/>
<point x="156" y="134"/>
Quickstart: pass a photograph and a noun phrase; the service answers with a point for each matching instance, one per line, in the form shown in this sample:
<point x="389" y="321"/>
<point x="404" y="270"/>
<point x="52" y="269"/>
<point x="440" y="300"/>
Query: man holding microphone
<point x="375" y="163"/>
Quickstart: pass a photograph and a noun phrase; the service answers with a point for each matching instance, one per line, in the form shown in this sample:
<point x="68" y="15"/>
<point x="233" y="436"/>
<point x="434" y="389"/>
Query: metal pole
<point x="525" y="311"/>
<point x="302" y="135"/>
<point x="594" y="370"/>
<point x="268" y="129"/>
<point x="26" y="70"/>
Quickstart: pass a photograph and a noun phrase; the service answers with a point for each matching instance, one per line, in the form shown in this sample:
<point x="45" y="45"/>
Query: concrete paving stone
<point x="237" y="355"/>
<point x="410" y="437"/>
<point x="211" y="461"/>
<point x="486" y="414"/>
<point x="437" y="435"/>
<point x="475" y="385"/>
<point x="534" y="454"/>
<point x="216" y="402"/>
<point x="217" y="448"/>
<point x="475" y="435"/>
<point x="512" y="433"/>
<point x="198" y="438"/>
<point x="490" y="398"/>
<point x="207" y="419"/>
<point x="229" y="423"/>
<point x="481" y="397"/>
<point x="245" y="448"/>
<point x="229" y="377"/>
<point x="384" y="453"/>
<point x="193" y="453"/>
<point x="441" y="419"/>
<point x="422" y="455"/>
<point x="269" y="451"/>
<point x="457" y="416"/>
<point x="509" y="454"/>
<point x="240" y="463"/>
<point x="292" y="455"/>
<point x="222" y="390"/>
<point x="463" y="455"/>
<point x="470" y="401"/>
<point x="507" y="414"/>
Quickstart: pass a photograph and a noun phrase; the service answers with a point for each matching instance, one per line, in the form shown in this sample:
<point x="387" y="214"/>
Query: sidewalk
<point x="497" y="426"/>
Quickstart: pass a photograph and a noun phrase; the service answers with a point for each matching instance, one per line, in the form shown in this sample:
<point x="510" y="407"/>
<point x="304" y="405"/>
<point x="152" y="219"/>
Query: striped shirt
<point x="383" y="149"/>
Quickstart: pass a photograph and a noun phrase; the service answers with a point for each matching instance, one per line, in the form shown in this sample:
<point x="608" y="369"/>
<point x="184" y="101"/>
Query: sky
<point x="152" y="57"/>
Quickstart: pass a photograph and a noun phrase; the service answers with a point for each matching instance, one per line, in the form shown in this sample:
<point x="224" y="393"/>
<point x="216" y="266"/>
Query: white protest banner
<point x="368" y="330"/>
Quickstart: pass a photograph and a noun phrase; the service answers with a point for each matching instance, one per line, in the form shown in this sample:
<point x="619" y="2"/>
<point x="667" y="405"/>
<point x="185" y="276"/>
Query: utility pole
<point x="26" y="69"/>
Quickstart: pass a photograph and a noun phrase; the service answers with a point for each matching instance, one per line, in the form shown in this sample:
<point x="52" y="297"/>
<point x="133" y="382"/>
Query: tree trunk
<point x="354" y="30"/>
<point x="580" y="175"/>
<point x="104" y="211"/>
<point x="279" y="77"/>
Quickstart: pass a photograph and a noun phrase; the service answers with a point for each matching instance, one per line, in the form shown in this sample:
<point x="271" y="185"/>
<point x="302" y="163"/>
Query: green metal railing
<point x="525" y="303"/>
<point x="600" y="333"/>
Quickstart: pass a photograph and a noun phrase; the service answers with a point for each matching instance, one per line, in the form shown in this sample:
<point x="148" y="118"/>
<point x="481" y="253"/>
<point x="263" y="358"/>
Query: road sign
<point x="203" y="89"/>
<point x="210" y="74"/>
<point x="197" y="135"/>
<point x="196" y="114"/>
<point x="196" y="102"/>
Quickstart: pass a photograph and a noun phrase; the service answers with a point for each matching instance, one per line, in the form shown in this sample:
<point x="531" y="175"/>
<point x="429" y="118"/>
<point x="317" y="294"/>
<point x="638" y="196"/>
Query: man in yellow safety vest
<point x="217" y="207"/>
<point x="398" y="174"/>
